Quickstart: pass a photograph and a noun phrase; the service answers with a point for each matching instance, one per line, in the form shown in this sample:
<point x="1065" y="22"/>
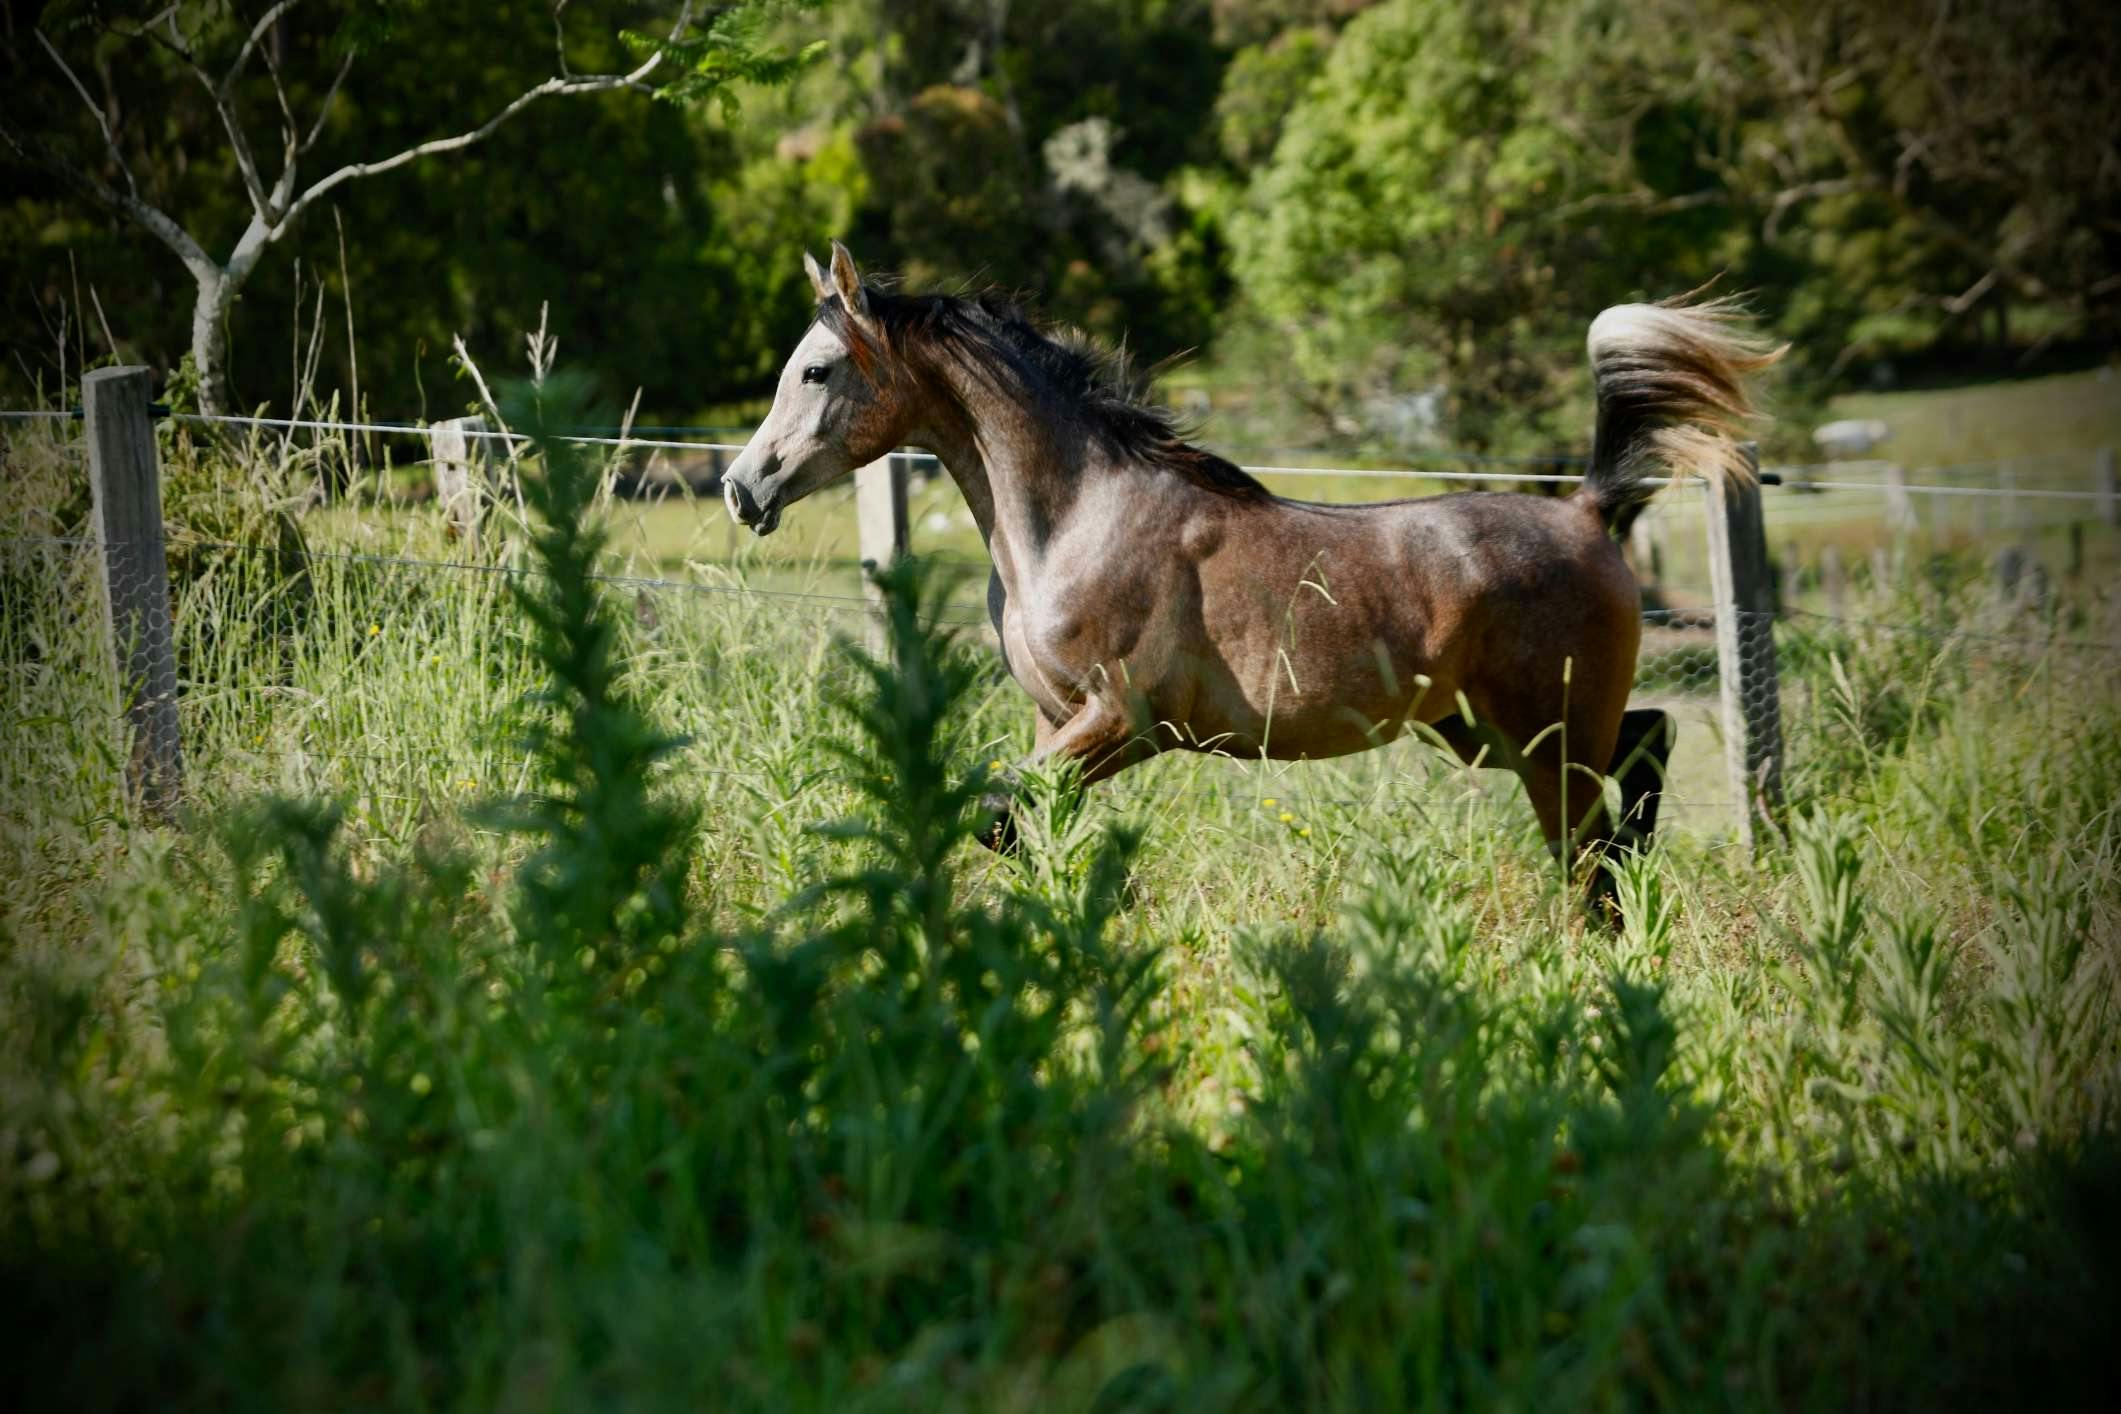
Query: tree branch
<point x="257" y="32"/>
<point x="239" y="141"/>
<point x="1788" y="197"/>
<point x="556" y="86"/>
<point x="559" y="40"/>
<point x="110" y="141"/>
<point x="149" y="218"/>
<point x="1967" y="298"/>
<point x="330" y="94"/>
<point x="1641" y="200"/>
<point x="290" y="137"/>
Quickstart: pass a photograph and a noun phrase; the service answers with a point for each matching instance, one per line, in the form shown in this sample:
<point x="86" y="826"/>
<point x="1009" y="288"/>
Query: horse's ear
<point x="847" y="284"/>
<point x="818" y="282"/>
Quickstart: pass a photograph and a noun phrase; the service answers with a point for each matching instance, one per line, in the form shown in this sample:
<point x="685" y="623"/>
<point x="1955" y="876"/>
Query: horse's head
<point x="839" y="405"/>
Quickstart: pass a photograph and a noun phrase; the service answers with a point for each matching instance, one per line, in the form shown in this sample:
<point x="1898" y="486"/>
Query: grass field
<point x="595" y="999"/>
<point x="2063" y="416"/>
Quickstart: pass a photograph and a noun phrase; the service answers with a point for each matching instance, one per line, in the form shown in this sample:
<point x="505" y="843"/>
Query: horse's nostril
<point x="742" y="508"/>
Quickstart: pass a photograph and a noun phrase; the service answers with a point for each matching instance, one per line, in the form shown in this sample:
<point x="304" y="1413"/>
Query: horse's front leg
<point x="1100" y="737"/>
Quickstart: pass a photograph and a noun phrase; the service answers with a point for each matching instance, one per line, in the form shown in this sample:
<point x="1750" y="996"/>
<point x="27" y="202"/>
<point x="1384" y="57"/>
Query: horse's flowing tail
<point x="1671" y="398"/>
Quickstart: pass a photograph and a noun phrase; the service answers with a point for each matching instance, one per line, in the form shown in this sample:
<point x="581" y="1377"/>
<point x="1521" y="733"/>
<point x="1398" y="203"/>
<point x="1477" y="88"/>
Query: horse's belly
<point x="1293" y="725"/>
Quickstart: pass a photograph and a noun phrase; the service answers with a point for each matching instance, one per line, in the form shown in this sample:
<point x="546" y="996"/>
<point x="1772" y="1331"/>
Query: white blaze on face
<point x="800" y="444"/>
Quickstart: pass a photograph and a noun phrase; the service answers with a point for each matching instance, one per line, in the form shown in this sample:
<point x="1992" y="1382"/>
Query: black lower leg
<point x="1646" y="737"/>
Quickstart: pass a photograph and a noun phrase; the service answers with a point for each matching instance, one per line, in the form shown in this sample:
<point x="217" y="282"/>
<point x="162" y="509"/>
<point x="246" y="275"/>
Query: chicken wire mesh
<point x="1678" y="654"/>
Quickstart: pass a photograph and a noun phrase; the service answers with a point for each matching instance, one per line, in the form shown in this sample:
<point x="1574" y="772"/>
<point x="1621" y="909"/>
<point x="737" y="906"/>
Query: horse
<point x="1151" y="596"/>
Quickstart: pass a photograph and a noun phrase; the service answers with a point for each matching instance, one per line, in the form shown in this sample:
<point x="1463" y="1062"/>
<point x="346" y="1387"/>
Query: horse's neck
<point x="1017" y="474"/>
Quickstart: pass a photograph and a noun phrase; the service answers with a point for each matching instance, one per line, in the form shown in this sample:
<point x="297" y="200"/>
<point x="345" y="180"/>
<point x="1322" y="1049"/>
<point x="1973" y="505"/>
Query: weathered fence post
<point x="1899" y="506"/>
<point x="459" y="453"/>
<point x="1834" y="580"/>
<point x="127" y="485"/>
<point x="2108" y="484"/>
<point x="1646" y="540"/>
<point x="2013" y="503"/>
<point x="880" y="507"/>
<point x="1744" y="587"/>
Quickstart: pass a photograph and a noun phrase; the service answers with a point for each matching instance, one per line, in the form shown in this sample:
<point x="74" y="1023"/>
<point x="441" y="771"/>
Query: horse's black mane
<point x="1064" y="366"/>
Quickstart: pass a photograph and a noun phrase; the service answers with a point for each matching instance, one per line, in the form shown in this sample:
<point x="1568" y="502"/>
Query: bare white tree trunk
<point x="209" y="339"/>
<point x="274" y="208"/>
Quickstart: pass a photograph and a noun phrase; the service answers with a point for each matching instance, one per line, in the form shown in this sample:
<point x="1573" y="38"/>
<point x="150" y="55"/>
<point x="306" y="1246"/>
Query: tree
<point x="1402" y="235"/>
<point x="243" y="68"/>
<point x="1936" y="160"/>
<point x="1466" y="182"/>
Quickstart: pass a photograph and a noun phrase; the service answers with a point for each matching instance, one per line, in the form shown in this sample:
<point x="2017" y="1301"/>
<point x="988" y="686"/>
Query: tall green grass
<point x="558" y="996"/>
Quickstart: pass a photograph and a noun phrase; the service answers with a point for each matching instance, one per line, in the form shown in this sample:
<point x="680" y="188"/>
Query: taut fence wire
<point x="1712" y="665"/>
<point x="317" y="723"/>
<point x="1786" y="477"/>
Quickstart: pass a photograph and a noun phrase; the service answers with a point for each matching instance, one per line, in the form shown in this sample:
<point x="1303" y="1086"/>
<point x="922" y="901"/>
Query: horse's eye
<point x="815" y="373"/>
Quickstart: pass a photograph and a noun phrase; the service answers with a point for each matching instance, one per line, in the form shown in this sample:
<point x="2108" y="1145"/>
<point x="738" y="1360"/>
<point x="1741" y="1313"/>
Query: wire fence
<point x="1444" y="464"/>
<point x="381" y="674"/>
<point x="393" y="678"/>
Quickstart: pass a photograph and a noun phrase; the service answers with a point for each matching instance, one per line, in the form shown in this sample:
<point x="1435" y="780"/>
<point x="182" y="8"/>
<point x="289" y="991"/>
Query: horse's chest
<point x="1071" y="631"/>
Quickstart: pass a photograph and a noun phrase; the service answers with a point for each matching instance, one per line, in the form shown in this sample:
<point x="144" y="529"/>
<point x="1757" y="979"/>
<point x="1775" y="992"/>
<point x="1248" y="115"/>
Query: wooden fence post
<point x="126" y="483"/>
<point x="1834" y="580"/>
<point x="880" y="507"/>
<point x="1745" y="650"/>
<point x="2108" y="484"/>
<point x="1646" y="540"/>
<point x="2013" y="504"/>
<point x="1899" y="506"/>
<point x="460" y="458"/>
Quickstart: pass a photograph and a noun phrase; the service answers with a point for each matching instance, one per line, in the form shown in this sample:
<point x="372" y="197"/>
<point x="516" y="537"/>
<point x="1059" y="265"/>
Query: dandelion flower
<point x="1270" y="802"/>
<point x="994" y="765"/>
<point x="374" y="629"/>
<point x="1287" y="818"/>
<point x="1304" y="833"/>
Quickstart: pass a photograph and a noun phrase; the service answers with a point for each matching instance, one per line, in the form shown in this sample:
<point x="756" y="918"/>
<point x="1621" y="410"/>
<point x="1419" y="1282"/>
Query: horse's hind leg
<point x="1101" y="736"/>
<point x="1640" y="757"/>
<point x="1564" y="770"/>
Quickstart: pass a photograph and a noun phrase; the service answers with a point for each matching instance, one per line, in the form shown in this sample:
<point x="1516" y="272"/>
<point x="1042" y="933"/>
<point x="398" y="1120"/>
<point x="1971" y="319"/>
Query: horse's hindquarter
<point x="1325" y="630"/>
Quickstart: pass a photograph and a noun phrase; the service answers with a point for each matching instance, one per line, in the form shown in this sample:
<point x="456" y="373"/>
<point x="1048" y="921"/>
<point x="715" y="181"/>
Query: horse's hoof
<point x="1000" y="836"/>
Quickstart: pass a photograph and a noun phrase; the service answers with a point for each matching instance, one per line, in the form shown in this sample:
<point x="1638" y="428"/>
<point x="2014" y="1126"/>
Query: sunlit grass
<point x="1433" y="1097"/>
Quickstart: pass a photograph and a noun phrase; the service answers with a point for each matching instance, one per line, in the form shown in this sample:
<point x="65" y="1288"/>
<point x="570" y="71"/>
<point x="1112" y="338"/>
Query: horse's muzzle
<point x="745" y="509"/>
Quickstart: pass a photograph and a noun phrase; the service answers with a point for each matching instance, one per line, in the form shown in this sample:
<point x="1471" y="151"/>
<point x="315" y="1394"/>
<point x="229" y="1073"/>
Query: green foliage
<point x="729" y="50"/>
<point x="1405" y="231"/>
<point x="1263" y="83"/>
<point x="609" y="872"/>
<point x="1348" y="205"/>
<point x="736" y="1075"/>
